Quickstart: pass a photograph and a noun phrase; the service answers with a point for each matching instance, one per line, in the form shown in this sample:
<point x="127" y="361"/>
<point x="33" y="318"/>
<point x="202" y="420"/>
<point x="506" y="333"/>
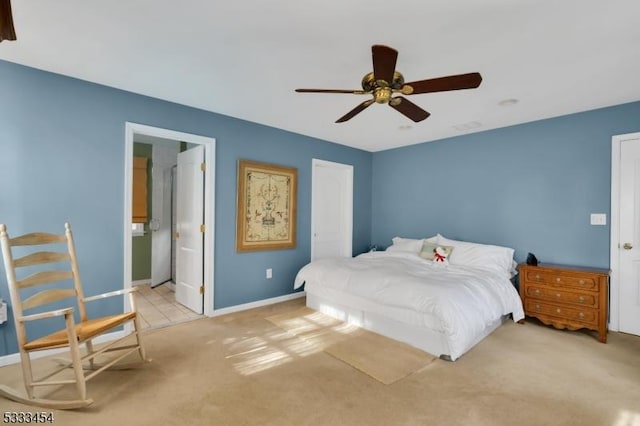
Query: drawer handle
<point x="537" y="292"/>
<point x="581" y="299"/>
<point x="558" y="310"/>
<point x="537" y="277"/>
<point x="581" y="282"/>
<point x="581" y="315"/>
<point x="558" y="279"/>
<point x="537" y="307"/>
<point x="558" y="295"/>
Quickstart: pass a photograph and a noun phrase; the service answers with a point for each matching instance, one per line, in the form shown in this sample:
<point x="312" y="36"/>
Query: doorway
<point x="331" y="209"/>
<point x="625" y="234"/>
<point x="138" y="132"/>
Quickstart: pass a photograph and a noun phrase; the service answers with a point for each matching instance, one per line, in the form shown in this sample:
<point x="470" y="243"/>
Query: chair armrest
<point x="110" y="294"/>
<point x="48" y="314"/>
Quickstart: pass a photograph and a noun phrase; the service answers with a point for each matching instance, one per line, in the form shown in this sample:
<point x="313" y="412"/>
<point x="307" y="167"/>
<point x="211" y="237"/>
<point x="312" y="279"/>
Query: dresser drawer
<point x="564" y="279"/>
<point x="557" y="295"/>
<point x="588" y="316"/>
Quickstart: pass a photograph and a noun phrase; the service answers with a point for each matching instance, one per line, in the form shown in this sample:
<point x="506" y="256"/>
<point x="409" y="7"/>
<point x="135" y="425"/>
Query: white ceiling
<point x="245" y="58"/>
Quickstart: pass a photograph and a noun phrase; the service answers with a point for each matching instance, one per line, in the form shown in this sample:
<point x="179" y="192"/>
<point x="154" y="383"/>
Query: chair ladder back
<point x="42" y="277"/>
<point x="77" y="282"/>
<point x="14" y="291"/>
<point x="40" y="257"/>
<point x="45" y="297"/>
<point x="36" y="239"/>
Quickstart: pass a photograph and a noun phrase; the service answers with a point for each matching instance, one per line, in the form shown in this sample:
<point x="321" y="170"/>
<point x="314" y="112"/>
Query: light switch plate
<point x="598" y="218"/>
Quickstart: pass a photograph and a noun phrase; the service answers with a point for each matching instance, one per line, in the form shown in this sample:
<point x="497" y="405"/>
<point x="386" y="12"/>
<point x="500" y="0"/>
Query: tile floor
<point x="158" y="307"/>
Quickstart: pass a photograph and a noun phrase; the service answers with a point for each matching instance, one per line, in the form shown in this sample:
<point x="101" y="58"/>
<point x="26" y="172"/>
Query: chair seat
<point x="84" y="330"/>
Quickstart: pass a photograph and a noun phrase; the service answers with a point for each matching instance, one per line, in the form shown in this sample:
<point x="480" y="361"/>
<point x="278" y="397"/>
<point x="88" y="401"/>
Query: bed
<point x="444" y="307"/>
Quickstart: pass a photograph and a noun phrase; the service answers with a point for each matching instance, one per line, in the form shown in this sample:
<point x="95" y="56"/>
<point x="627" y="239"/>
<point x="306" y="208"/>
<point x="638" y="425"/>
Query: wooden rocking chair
<point x="50" y="285"/>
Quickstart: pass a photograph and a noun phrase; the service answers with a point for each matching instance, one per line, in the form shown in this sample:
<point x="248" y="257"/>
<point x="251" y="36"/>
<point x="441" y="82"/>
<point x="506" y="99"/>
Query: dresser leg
<point x="602" y="337"/>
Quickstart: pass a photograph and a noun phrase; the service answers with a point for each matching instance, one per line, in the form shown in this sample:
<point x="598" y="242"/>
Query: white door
<point x="164" y="160"/>
<point x="629" y="247"/>
<point x="331" y="209"/>
<point x="189" y="235"/>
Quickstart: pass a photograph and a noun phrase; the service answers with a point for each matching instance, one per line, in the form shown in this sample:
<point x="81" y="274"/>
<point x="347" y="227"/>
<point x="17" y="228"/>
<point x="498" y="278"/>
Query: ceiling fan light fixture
<point x="406" y="90"/>
<point x="382" y="95"/>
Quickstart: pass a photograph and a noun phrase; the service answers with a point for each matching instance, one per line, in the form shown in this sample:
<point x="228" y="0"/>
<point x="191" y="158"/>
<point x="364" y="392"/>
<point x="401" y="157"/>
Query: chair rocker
<point x="39" y="273"/>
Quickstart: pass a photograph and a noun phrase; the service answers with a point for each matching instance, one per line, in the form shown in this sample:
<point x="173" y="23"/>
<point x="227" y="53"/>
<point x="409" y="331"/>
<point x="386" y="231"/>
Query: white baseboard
<point x="15" y="357"/>
<point x="140" y="282"/>
<point x="258" y="304"/>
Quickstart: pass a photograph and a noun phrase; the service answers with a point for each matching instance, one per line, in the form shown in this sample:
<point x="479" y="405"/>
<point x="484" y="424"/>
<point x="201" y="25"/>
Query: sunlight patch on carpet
<point x="253" y="354"/>
<point x="627" y="418"/>
<point x="384" y="359"/>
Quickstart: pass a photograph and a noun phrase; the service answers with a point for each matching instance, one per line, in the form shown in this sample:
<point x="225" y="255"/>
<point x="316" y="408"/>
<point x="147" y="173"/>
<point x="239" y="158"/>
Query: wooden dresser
<point x="566" y="296"/>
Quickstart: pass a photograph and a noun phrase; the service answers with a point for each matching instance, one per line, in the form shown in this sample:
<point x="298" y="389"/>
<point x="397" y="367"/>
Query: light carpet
<point x="240" y="369"/>
<point x="384" y="359"/>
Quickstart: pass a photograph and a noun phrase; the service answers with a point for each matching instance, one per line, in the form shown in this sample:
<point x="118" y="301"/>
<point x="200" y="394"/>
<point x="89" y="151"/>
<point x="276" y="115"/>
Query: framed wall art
<point x="266" y="206"/>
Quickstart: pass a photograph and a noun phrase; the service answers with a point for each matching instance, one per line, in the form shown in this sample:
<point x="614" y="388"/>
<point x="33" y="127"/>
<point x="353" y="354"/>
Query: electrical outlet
<point x="3" y="311"/>
<point x="598" y="218"/>
<point x="269" y="273"/>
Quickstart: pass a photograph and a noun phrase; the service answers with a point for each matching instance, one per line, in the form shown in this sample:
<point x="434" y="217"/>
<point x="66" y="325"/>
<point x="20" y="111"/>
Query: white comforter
<point x="464" y="299"/>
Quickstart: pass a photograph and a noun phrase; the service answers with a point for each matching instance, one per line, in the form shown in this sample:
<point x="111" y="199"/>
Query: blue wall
<point x="531" y="187"/>
<point x="240" y="278"/>
<point x="62" y="159"/>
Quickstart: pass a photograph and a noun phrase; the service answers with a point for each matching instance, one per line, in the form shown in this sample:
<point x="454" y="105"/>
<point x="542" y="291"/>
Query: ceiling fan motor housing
<point x="381" y="89"/>
<point x="369" y="82"/>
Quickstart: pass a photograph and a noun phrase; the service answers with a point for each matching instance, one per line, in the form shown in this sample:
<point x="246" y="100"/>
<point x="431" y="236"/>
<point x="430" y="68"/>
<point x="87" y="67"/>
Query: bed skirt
<point x="392" y="323"/>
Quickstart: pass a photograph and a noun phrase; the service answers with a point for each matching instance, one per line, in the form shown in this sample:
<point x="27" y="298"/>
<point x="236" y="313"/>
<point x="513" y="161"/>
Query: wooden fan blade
<point x="408" y="108"/>
<point x="352" y="92"/>
<point x="384" y="62"/>
<point x="355" y="111"/>
<point x="7" y="31"/>
<point x="443" y="84"/>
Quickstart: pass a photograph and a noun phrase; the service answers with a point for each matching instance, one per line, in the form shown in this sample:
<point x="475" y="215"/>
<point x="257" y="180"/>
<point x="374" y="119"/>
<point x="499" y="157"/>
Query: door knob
<point x="627" y="246"/>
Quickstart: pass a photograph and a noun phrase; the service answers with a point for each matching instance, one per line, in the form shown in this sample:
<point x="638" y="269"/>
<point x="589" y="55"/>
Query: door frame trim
<point x="349" y="169"/>
<point x="614" y="259"/>
<point x="132" y="129"/>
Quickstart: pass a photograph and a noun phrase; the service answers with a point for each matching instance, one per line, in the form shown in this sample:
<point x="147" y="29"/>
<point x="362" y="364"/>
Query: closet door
<point x="331" y="210"/>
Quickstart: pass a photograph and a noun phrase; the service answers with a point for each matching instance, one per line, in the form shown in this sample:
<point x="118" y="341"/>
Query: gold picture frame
<point x="266" y="206"/>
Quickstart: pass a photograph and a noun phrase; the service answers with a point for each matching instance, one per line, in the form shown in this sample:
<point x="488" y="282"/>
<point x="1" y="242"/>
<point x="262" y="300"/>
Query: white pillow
<point x="409" y="244"/>
<point x="485" y="256"/>
<point x="405" y="244"/>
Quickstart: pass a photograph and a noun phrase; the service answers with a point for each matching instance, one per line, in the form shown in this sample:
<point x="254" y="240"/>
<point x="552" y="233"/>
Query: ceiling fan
<point x="7" y="32"/>
<point x="384" y="81"/>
